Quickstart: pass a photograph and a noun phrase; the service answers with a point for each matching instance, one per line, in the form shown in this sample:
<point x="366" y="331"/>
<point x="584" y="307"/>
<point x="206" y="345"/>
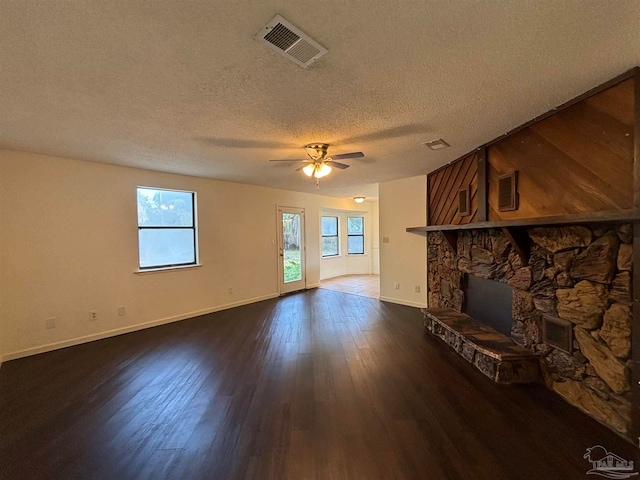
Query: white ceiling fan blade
<point x="347" y="155"/>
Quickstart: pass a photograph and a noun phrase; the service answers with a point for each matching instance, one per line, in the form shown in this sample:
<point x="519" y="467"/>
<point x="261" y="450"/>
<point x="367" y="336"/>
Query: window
<point x="330" y="237"/>
<point x="355" y="235"/>
<point x="166" y="228"/>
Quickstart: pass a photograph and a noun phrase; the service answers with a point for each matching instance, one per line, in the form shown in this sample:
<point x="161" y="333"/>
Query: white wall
<point x="2" y="339"/>
<point x="345" y="264"/>
<point x="69" y="245"/>
<point x="403" y="259"/>
<point x="375" y="238"/>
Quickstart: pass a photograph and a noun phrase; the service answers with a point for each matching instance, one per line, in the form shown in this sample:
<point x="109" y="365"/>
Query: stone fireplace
<point x="575" y="286"/>
<point x="489" y="302"/>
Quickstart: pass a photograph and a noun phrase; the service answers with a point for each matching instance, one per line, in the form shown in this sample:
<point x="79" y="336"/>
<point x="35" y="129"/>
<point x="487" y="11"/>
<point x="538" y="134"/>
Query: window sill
<point x="331" y="256"/>
<point x="166" y="269"/>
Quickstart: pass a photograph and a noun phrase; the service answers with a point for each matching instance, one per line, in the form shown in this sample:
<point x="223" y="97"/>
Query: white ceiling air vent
<point x="436" y="144"/>
<point x="288" y="40"/>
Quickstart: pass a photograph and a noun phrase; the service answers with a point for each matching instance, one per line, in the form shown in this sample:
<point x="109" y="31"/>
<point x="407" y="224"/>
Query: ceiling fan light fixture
<point x="322" y="170"/>
<point x="308" y="169"/>
<point x="320" y="165"/>
<point x="358" y="199"/>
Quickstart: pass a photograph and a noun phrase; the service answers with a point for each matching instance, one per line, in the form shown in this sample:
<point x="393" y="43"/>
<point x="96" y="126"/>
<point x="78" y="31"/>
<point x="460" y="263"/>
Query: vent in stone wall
<point x="508" y="192"/>
<point x="445" y="288"/>
<point x="557" y="332"/>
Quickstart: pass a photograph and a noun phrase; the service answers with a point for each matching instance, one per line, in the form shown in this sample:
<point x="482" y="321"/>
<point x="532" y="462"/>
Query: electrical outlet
<point x="50" y="323"/>
<point x="230" y="290"/>
<point x="396" y="286"/>
<point x="385" y="239"/>
<point x="417" y="288"/>
<point x="93" y="315"/>
<point x="122" y="311"/>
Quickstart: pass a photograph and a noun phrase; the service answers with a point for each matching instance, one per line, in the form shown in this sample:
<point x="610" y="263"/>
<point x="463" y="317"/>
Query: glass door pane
<point x="291" y="246"/>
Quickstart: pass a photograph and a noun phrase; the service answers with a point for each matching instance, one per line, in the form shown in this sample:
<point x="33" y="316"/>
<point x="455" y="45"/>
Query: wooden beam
<point x="427" y="200"/>
<point x="483" y="198"/>
<point x="630" y="215"/>
<point x="417" y="230"/>
<point x="634" y="432"/>
<point x="520" y="242"/>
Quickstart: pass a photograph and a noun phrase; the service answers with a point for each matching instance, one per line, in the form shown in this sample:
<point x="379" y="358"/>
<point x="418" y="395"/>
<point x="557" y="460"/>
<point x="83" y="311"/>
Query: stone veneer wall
<point x="578" y="273"/>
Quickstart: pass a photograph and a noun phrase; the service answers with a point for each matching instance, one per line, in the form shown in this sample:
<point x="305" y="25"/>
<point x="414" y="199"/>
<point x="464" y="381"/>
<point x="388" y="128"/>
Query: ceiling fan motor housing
<point x="320" y="148"/>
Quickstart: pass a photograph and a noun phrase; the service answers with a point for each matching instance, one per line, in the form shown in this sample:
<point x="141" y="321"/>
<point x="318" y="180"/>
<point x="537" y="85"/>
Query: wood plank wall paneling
<point x="577" y="160"/>
<point x="443" y="186"/>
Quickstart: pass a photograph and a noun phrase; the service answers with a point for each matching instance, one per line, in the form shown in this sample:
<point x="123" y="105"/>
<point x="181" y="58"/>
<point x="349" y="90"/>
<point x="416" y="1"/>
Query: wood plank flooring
<point x="314" y="385"/>
<point x="364" y="285"/>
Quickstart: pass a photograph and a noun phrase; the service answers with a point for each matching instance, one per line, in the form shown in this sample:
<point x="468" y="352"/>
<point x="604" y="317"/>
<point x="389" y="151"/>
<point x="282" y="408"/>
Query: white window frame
<point x="193" y="227"/>
<point x="355" y="235"/>
<point x="337" y="235"/>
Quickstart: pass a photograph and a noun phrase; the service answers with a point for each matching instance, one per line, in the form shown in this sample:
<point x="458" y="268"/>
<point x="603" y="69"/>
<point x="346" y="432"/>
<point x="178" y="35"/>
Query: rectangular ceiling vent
<point x="291" y="42"/>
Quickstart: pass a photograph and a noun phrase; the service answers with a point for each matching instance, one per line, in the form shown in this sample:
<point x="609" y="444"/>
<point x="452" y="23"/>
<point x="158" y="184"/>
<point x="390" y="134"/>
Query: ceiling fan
<point x="318" y="164"/>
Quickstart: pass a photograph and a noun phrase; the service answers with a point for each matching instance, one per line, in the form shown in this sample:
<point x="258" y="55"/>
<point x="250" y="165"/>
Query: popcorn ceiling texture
<point x="183" y="87"/>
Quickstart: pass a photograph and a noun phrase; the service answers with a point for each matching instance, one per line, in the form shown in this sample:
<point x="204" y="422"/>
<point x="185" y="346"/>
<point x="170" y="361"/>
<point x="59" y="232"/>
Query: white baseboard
<point x="131" y="328"/>
<point x="399" y="301"/>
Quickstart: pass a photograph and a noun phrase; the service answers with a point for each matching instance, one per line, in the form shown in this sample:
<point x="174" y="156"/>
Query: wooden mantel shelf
<point x="590" y="217"/>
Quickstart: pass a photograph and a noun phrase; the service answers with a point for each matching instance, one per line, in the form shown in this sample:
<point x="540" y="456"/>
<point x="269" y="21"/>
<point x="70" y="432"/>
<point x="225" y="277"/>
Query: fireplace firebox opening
<point x="489" y="302"/>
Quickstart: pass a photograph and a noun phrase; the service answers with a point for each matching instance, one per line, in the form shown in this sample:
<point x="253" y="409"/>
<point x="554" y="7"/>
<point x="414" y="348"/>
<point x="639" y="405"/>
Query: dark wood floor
<point x="315" y="385"/>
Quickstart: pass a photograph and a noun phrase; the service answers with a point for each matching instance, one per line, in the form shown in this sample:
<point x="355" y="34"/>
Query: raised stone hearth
<point x="578" y="273"/>
<point x="491" y="352"/>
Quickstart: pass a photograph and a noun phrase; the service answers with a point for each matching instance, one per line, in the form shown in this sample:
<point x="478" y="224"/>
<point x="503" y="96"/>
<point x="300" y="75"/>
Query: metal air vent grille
<point x="281" y="37"/>
<point x="557" y="332"/>
<point x="463" y="202"/>
<point x="303" y="51"/>
<point x="508" y="192"/>
<point x="289" y="41"/>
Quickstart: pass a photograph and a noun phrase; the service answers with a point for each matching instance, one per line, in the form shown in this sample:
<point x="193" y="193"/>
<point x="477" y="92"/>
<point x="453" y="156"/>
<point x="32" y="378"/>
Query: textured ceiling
<point x="183" y="86"/>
